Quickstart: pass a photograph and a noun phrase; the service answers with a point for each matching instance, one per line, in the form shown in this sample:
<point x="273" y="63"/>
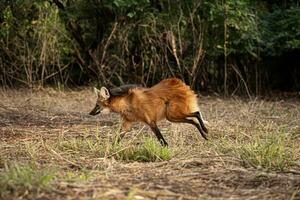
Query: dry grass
<point x="51" y="149"/>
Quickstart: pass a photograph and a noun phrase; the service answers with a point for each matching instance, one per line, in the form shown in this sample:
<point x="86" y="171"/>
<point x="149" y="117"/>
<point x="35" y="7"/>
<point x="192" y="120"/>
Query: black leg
<point x="198" y="116"/>
<point x="198" y="127"/>
<point x="159" y="136"/>
<point x="189" y="121"/>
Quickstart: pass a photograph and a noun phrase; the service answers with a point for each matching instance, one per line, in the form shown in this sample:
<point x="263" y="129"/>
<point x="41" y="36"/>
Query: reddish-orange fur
<point x="169" y="99"/>
<point x="149" y="104"/>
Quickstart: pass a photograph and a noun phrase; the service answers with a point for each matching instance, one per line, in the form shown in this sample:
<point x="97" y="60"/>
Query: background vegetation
<point x="232" y="46"/>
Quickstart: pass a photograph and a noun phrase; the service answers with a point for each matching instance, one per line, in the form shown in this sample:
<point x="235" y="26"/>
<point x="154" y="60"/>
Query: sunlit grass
<point x="19" y="180"/>
<point x="275" y="152"/>
<point x="149" y="151"/>
<point x="269" y="151"/>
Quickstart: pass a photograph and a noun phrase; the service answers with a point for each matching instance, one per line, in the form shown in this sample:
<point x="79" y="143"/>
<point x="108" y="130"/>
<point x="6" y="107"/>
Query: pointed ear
<point x="97" y="92"/>
<point x="104" y="93"/>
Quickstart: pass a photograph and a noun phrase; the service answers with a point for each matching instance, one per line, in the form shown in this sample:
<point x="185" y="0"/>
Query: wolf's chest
<point x="131" y="115"/>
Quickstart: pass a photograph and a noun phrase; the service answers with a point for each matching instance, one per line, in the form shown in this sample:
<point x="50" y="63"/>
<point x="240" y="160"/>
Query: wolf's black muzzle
<point x="96" y="110"/>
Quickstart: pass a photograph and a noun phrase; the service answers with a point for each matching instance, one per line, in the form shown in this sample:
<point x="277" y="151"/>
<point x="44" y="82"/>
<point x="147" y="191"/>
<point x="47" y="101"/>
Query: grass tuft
<point x="272" y="153"/>
<point x="19" y="180"/>
<point x="149" y="151"/>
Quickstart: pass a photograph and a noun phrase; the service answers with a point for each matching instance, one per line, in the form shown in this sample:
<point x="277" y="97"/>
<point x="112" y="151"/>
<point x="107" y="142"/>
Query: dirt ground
<point x="33" y="124"/>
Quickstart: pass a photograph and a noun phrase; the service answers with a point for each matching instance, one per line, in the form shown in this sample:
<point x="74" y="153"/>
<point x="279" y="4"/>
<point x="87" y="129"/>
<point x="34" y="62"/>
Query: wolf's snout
<point x="95" y="111"/>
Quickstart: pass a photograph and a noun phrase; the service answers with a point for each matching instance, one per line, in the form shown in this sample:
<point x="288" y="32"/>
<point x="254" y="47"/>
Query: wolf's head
<point x="102" y="102"/>
<point x="110" y="99"/>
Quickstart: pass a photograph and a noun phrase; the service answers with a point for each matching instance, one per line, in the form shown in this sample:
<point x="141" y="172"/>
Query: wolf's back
<point x="173" y="90"/>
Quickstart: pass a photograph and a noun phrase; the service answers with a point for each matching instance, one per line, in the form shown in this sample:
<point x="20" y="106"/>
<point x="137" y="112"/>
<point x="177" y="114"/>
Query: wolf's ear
<point x="97" y="92"/>
<point x="104" y="93"/>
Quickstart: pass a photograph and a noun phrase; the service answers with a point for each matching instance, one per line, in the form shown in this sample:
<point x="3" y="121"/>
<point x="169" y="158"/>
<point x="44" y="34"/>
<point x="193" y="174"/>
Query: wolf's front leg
<point x="126" y="126"/>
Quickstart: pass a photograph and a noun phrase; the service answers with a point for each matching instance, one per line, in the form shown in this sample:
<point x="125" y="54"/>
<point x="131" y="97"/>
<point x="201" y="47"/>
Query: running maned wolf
<point x="170" y="99"/>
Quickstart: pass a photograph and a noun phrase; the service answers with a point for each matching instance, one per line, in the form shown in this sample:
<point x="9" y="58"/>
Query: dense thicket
<point x="232" y="46"/>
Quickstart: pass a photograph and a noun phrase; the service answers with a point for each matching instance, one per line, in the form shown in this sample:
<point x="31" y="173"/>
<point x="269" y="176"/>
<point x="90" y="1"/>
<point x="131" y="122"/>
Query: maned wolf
<point x="170" y="99"/>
